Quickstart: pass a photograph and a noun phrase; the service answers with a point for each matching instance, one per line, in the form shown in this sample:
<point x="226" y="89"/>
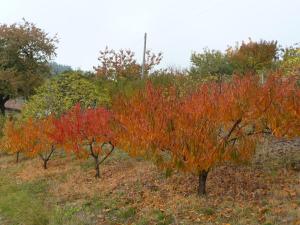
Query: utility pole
<point x="262" y="77"/>
<point x="144" y="55"/>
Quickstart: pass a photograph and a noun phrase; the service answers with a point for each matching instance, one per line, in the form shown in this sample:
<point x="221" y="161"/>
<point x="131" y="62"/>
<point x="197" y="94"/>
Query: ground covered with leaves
<point x="133" y="191"/>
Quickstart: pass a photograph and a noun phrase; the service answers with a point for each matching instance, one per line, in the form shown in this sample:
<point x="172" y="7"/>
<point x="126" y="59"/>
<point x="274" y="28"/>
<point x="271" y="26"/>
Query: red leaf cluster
<point x="216" y="123"/>
<point x="79" y="128"/>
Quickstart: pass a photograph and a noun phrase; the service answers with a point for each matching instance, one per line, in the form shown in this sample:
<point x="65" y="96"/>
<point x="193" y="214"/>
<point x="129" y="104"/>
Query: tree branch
<point x="51" y="152"/>
<point x="249" y="134"/>
<point x="42" y="157"/>
<point x="235" y="125"/>
<point x="112" y="149"/>
<point x="91" y="150"/>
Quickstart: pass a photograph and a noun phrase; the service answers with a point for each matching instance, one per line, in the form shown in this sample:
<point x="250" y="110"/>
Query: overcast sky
<point x="174" y="27"/>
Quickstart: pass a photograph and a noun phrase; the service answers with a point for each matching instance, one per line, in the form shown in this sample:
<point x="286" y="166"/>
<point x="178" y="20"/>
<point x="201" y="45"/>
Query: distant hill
<point x="57" y="68"/>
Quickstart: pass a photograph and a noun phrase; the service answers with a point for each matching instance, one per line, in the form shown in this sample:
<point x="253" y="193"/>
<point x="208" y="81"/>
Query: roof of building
<point x="14" y="104"/>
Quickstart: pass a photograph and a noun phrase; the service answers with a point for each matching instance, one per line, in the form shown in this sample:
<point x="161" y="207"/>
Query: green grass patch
<point x="23" y="203"/>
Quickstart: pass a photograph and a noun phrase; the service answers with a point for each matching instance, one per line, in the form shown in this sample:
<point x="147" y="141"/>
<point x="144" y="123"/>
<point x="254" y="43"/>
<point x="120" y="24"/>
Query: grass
<point x="23" y="202"/>
<point x="136" y="192"/>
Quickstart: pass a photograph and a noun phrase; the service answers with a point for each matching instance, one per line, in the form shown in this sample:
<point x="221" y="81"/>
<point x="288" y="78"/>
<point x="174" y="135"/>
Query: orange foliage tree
<point x="42" y="138"/>
<point x="31" y="137"/>
<point x="14" y="140"/>
<point x="87" y="132"/>
<point x="215" y="124"/>
<point x="283" y="99"/>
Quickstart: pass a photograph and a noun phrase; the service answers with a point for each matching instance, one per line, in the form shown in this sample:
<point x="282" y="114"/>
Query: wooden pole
<point x="144" y="55"/>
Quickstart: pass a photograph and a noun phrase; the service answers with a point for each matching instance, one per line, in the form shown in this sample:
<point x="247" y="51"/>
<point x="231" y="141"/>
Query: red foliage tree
<point x="87" y="132"/>
<point x="215" y="124"/>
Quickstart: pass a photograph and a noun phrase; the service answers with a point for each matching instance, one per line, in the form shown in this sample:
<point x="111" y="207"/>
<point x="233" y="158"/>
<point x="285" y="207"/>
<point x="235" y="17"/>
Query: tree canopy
<point x="210" y="64"/>
<point x="214" y="124"/>
<point x="60" y="93"/>
<point x="253" y="57"/>
<point x="115" y="65"/>
<point x="87" y="132"/>
<point x="25" y="51"/>
<point x="290" y="63"/>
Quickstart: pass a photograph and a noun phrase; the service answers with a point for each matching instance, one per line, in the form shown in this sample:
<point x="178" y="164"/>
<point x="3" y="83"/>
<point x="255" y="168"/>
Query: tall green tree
<point x="25" y="51"/>
<point x="253" y="57"/>
<point x="290" y="61"/>
<point x="210" y="64"/>
<point x="61" y="92"/>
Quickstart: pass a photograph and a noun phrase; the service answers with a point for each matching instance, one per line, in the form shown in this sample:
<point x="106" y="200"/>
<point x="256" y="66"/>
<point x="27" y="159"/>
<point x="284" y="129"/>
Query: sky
<point x="175" y="28"/>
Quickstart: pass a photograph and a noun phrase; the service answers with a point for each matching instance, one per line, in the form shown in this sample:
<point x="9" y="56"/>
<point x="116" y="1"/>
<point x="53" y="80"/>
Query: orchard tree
<point x="116" y="65"/>
<point x="87" y="132"/>
<point x="144" y="120"/>
<point x="62" y="92"/>
<point x="14" y="140"/>
<point x="283" y="100"/>
<point x="24" y="54"/>
<point x="183" y="133"/>
<point x="42" y="138"/>
<point x="253" y="57"/>
<point x="210" y="126"/>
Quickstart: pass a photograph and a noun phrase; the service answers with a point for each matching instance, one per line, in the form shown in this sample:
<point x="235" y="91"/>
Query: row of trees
<point x="26" y="52"/>
<point x="248" y="57"/>
<point x="83" y="132"/>
<point x="176" y="118"/>
<point x="191" y="132"/>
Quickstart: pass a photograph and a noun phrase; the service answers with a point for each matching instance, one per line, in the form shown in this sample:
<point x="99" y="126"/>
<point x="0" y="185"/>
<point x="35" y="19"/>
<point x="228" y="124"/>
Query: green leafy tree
<point x="253" y="57"/>
<point x="290" y="62"/>
<point x="60" y="93"/>
<point x="210" y="64"/>
<point x="24" y="54"/>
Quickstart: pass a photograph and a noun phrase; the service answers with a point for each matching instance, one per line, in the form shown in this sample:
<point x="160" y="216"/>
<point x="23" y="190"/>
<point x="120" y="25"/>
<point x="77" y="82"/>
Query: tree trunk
<point x="45" y="164"/>
<point x="17" y="158"/>
<point x="202" y="182"/>
<point x="96" y="158"/>
<point x="97" y="168"/>
<point x="2" y="108"/>
<point x="3" y="100"/>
